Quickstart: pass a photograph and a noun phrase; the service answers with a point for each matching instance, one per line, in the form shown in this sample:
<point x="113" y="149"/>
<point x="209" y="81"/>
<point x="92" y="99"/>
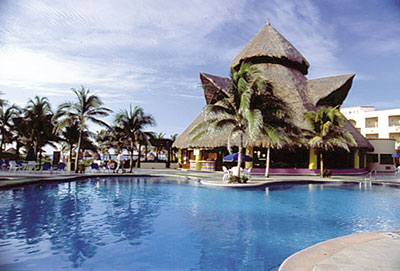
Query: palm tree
<point x="2" y="101"/>
<point x="39" y="119"/>
<point x="22" y="133"/>
<point x="159" y="143"/>
<point x="87" y="108"/>
<point x="278" y="129"/>
<point x="235" y="113"/>
<point x="106" y="140"/>
<point x="173" y="150"/>
<point x="130" y="124"/>
<point x="7" y="113"/>
<point x="326" y="131"/>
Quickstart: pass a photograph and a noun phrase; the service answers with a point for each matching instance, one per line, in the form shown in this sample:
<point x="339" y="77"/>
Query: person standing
<point x="120" y="161"/>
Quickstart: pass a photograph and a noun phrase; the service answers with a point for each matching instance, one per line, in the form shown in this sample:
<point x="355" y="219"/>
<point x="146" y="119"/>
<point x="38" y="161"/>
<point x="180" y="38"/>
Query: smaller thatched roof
<point x="217" y="139"/>
<point x="361" y="141"/>
<point x="213" y="86"/>
<point x="329" y="91"/>
<point x="268" y="46"/>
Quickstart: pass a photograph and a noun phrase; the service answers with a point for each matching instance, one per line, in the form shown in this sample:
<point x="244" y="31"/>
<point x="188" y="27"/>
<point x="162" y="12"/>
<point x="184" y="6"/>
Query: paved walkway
<point x="358" y="252"/>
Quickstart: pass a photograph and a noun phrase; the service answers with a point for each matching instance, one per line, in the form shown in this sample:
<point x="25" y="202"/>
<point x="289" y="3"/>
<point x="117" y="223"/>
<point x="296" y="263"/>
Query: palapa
<point x="283" y="66"/>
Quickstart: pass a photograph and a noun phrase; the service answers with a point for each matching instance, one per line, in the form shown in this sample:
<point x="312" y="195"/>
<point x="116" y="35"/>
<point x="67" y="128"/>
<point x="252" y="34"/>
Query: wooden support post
<point x="180" y="157"/>
<point x="197" y="153"/>
<point x="249" y="152"/>
<point x="356" y="158"/>
<point x="313" y="159"/>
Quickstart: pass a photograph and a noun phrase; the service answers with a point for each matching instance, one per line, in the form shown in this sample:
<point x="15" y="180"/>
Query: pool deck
<point x="363" y="251"/>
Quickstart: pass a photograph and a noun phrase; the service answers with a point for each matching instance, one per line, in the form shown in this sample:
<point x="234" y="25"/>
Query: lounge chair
<point x="227" y="174"/>
<point x="94" y="167"/>
<point x="46" y="166"/>
<point x="60" y="167"/>
<point x="247" y="172"/>
<point x="5" y="165"/>
<point x="106" y="168"/>
<point x="13" y="166"/>
<point x="31" y="166"/>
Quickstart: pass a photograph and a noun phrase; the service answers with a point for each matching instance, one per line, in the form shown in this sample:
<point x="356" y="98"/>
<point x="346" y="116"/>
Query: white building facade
<point x="375" y="123"/>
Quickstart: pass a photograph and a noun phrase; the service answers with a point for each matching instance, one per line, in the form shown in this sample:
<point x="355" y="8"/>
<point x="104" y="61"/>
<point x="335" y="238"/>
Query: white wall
<point x="382" y="146"/>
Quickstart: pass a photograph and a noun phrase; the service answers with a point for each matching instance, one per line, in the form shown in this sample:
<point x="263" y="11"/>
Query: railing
<point x="369" y="176"/>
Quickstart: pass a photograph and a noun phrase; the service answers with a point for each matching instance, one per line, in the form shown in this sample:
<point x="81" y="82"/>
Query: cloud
<point x="301" y="23"/>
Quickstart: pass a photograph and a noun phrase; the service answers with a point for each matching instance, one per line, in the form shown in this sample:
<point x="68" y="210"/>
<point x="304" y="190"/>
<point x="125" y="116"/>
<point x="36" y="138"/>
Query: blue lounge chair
<point x="5" y="165"/>
<point x="46" y="166"/>
<point x="94" y="167"/>
<point x="60" y="167"/>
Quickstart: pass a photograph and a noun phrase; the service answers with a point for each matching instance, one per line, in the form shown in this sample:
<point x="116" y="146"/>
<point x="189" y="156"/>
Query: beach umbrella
<point x="234" y="157"/>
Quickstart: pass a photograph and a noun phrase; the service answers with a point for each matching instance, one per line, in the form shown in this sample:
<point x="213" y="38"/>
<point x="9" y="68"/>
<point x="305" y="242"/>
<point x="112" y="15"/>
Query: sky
<point x="150" y="53"/>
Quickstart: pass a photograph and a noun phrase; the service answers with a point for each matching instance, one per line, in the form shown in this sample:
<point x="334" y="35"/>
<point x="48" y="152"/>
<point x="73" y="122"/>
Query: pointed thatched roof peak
<point x="270" y="46"/>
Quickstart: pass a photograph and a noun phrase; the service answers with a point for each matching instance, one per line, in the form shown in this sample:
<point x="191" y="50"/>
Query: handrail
<point x="369" y="175"/>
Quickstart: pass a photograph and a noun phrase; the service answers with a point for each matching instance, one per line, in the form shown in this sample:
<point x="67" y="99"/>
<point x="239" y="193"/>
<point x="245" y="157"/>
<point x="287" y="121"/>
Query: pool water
<point x="130" y="223"/>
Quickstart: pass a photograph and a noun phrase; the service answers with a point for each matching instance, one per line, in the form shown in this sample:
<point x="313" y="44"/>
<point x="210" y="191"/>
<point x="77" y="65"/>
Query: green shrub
<point x="236" y="179"/>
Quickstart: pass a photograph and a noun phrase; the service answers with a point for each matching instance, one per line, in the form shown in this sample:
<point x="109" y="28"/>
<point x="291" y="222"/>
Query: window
<point x="371" y="122"/>
<point x="395" y="136"/>
<point x="394" y="121"/>
<point x="371" y="135"/>
<point x="372" y="158"/>
<point x="386" y="159"/>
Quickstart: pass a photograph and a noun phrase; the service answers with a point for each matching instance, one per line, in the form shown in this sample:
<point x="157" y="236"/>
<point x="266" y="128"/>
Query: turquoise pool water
<point x="159" y="224"/>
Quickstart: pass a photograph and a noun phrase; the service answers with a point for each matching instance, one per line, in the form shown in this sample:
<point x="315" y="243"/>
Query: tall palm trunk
<point x="267" y="161"/>
<point x="2" y="144"/>
<point x="70" y="157"/>
<point x="139" y="155"/>
<point x="169" y="158"/>
<point x="145" y="152"/>
<point x="19" y="145"/>
<point x="78" y="151"/>
<point x="321" y="163"/>
<point x="40" y="157"/>
<point x="131" y="159"/>
<point x="240" y="154"/>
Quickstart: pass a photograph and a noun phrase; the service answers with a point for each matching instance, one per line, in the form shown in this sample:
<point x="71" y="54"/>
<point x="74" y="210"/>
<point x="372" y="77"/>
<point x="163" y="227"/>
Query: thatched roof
<point x="214" y="87"/>
<point x="270" y="46"/>
<point x="329" y="90"/>
<point x="283" y="67"/>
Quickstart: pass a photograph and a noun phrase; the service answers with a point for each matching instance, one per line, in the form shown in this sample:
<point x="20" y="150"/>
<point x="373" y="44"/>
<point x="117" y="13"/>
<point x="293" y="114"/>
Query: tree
<point x="87" y="108"/>
<point x="326" y="131"/>
<point x="39" y="116"/>
<point x="159" y="143"/>
<point x="106" y="139"/>
<point x="173" y="150"/>
<point x="234" y="113"/>
<point x="130" y="124"/>
<point x="21" y="133"/>
<point x="2" y="101"/>
<point x="278" y="129"/>
<point x="7" y="113"/>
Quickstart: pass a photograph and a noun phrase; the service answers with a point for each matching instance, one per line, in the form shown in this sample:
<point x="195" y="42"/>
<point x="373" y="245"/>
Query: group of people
<point x="117" y="165"/>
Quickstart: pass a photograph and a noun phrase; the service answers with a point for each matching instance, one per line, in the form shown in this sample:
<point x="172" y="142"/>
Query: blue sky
<point x="150" y="52"/>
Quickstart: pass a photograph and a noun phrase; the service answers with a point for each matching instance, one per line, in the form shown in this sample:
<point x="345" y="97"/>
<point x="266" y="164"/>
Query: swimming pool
<point x="131" y="223"/>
